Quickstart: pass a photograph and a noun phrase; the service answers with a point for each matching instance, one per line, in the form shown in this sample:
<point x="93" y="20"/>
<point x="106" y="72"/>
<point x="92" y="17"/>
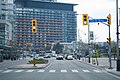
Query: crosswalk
<point x="50" y="71"/>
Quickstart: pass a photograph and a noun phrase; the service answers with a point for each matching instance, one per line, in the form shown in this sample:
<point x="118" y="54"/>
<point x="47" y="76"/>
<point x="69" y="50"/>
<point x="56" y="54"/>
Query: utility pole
<point x="118" y="56"/>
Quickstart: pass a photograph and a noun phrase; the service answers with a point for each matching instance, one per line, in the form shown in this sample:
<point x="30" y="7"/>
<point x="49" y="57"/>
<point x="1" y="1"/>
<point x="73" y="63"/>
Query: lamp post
<point x="118" y="55"/>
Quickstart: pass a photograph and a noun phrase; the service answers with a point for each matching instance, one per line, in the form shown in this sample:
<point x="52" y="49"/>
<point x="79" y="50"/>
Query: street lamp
<point x="118" y="55"/>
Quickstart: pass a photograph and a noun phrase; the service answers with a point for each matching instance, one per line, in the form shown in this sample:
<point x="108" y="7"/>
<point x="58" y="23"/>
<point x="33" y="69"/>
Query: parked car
<point x="69" y="57"/>
<point x="59" y="57"/>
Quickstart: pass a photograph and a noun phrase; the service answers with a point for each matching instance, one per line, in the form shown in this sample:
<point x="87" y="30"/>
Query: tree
<point x="58" y="48"/>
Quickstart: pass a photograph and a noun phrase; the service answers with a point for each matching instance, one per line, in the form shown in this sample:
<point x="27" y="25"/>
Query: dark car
<point x="47" y="56"/>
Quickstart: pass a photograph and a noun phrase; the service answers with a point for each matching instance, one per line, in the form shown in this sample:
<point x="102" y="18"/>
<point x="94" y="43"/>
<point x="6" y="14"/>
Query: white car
<point x="59" y="57"/>
<point x="69" y="57"/>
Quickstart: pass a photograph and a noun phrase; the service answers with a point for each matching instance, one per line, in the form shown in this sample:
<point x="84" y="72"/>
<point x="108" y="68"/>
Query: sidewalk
<point x="103" y="63"/>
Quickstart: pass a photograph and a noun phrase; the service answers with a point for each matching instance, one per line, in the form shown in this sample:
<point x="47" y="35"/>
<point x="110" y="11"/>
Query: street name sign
<point x="97" y="20"/>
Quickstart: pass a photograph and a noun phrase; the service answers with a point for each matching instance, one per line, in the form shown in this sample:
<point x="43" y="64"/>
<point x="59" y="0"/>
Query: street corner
<point x="29" y="66"/>
<point x="113" y="71"/>
<point x="91" y="64"/>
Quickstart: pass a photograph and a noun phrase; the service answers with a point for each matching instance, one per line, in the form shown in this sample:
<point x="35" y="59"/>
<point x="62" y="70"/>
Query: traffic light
<point x="85" y="19"/>
<point x="109" y="19"/>
<point x="34" y="25"/>
<point x="109" y="40"/>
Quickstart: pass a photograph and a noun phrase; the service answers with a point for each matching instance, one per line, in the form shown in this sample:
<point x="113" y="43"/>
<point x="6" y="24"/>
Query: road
<point x="58" y="70"/>
<point x="7" y="63"/>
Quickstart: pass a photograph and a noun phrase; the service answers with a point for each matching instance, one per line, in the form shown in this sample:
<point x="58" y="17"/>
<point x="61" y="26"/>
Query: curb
<point x="92" y="65"/>
<point x="34" y="67"/>
<point x="113" y="73"/>
<point x="101" y="68"/>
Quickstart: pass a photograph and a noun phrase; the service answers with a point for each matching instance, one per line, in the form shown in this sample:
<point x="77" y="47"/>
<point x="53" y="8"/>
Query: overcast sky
<point x="98" y="9"/>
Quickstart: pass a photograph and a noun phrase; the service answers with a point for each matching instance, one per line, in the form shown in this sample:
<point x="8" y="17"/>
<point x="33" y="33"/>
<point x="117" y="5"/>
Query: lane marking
<point x="0" y="70"/>
<point x="63" y="70"/>
<point x="86" y="71"/>
<point x="30" y="71"/>
<point x="41" y="70"/>
<point x="52" y="71"/>
<point x="74" y="70"/>
<point x="97" y="71"/>
<point x="7" y="71"/>
<point x="18" y="71"/>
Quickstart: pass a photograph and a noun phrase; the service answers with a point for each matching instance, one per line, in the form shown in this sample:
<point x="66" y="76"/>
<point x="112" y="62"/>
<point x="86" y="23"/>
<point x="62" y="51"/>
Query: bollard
<point x="94" y="62"/>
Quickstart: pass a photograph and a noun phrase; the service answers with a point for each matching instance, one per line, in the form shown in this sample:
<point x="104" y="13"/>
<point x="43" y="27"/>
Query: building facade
<point x="7" y="17"/>
<point x="56" y="22"/>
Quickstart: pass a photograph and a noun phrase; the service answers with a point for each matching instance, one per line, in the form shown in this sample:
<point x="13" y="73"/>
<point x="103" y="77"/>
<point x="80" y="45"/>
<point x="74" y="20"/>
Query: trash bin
<point x="1" y="58"/>
<point x="118" y="65"/>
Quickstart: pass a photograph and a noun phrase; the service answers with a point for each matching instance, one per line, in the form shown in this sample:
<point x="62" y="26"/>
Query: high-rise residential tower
<point x="56" y="22"/>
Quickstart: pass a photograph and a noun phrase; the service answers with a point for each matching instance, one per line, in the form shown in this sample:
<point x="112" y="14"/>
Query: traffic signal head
<point x="109" y="40"/>
<point x="34" y="25"/>
<point x="109" y="19"/>
<point x="85" y="19"/>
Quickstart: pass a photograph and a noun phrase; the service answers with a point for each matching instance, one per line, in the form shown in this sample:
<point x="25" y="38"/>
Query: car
<point x="69" y="57"/>
<point x="47" y="56"/>
<point x="59" y="57"/>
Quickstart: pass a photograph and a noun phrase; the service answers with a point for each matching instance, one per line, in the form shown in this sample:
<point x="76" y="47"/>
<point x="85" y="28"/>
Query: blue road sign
<point x="97" y="20"/>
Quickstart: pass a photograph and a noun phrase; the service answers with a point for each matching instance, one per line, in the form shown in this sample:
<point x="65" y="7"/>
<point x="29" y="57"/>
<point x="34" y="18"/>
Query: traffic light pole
<point x="88" y="41"/>
<point x="110" y="67"/>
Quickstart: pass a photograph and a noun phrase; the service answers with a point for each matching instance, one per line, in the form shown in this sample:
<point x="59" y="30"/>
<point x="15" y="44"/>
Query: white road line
<point x="19" y="71"/>
<point x="7" y="71"/>
<point x="52" y="71"/>
<point x="86" y="71"/>
<point x="63" y="71"/>
<point x="30" y="71"/>
<point x="41" y="70"/>
<point x="74" y="70"/>
<point x="96" y="71"/>
<point x="0" y="70"/>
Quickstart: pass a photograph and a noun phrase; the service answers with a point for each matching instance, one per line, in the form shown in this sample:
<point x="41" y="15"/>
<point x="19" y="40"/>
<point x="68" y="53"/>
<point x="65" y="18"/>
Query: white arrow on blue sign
<point x="97" y="20"/>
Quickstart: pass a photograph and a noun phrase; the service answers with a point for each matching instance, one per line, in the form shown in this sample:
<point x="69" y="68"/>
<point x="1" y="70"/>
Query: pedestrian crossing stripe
<point x="96" y="70"/>
<point x="7" y="71"/>
<point x="86" y="71"/>
<point x="63" y="70"/>
<point x="41" y="70"/>
<point x="30" y="71"/>
<point x="52" y="71"/>
<point x="19" y="71"/>
<point x="74" y="70"/>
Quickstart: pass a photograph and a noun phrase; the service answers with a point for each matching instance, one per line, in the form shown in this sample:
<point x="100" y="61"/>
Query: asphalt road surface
<point x="58" y="70"/>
